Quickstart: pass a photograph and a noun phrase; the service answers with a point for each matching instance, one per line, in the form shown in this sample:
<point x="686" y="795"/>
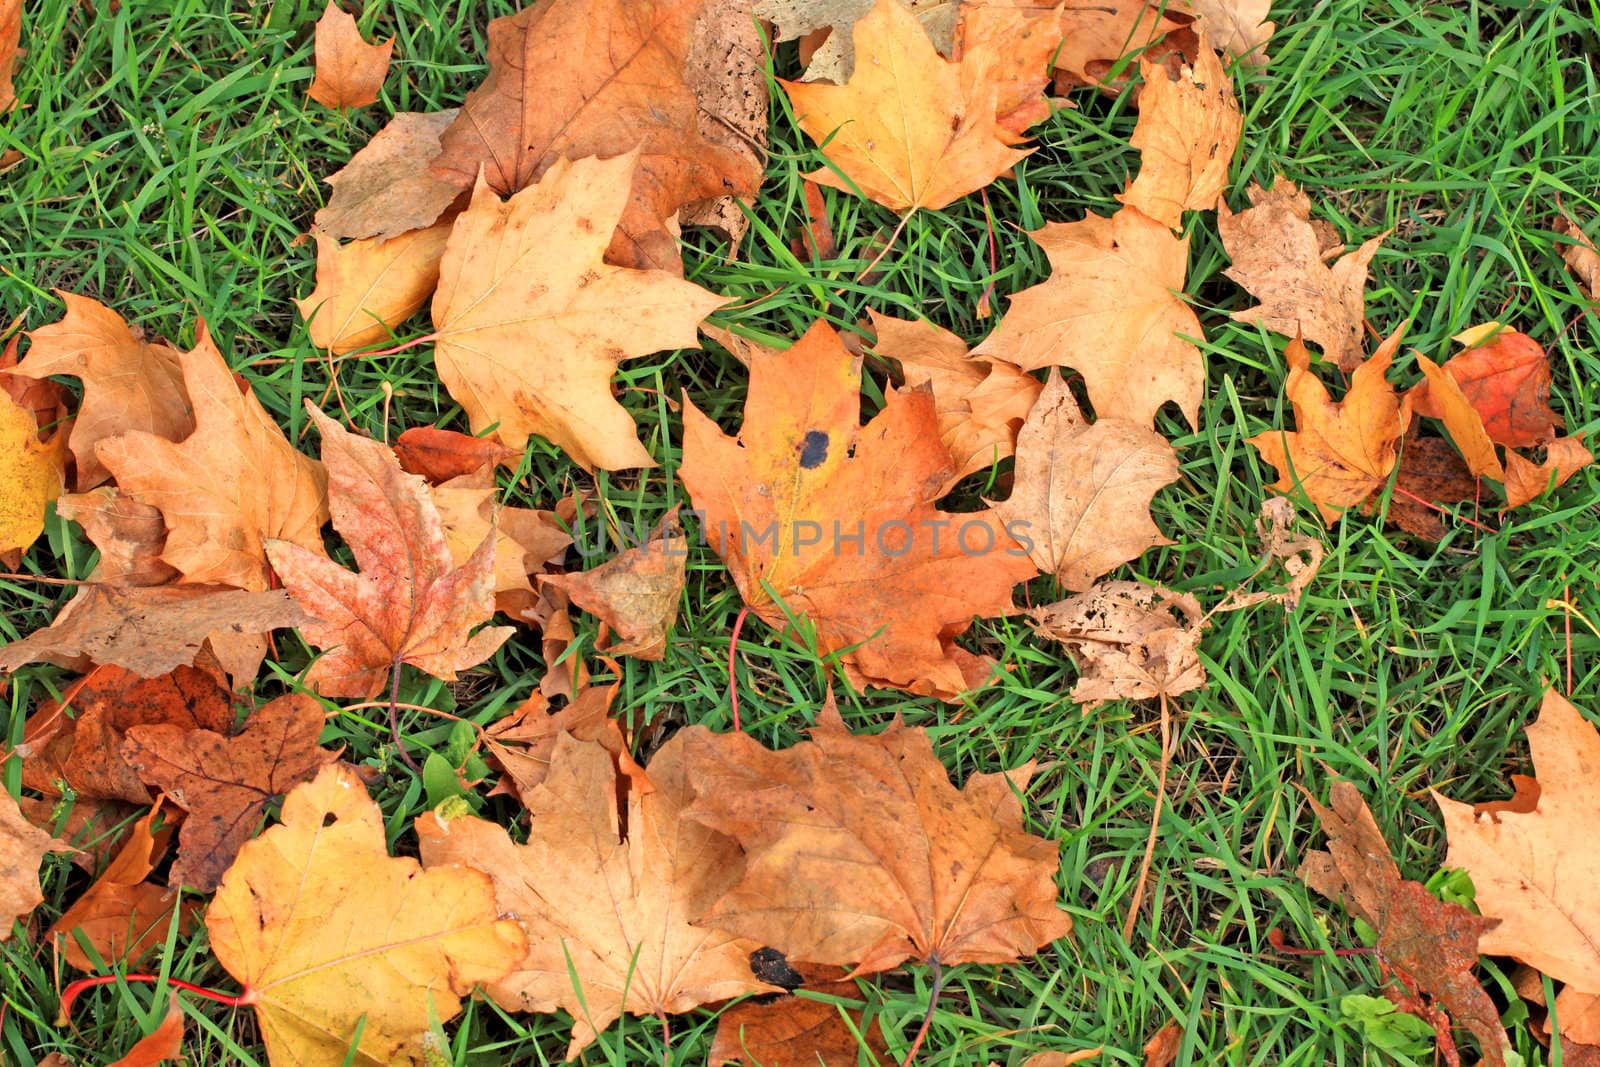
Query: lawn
<point x="171" y="164"/>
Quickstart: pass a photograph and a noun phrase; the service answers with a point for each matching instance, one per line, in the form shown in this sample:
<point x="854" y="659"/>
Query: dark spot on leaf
<point x="770" y="965"/>
<point x="813" y="450"/>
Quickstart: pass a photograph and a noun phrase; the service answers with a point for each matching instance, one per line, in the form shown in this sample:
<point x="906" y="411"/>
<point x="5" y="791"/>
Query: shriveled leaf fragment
<point x="1526" y="480"/>
<point x="834" y="60"/>
<point x="128" y="384"/>
<point x="860" y="852"/>
<point x="1162" y="1048"/>
<point x="1081" y="492"/>
<point x="217" y="525"/>
<point x="1187" y="131"/>
<point x="163" y="1043"/>
<point x="524" y="539"/>
<point x="635" y="593"/>
<point x="366" y="288"/>
<point x="980" y="403"/>
<point x="606" y="893"/>
<point x="838" y="521"/>
<point x="129" y="535"/>
<point x="22" y="848"/>
<point x="522" y="743"/>
<point x="1580" y="256"/>
<point x="387" y="188"/>
<point x="349" y="70"/>
<point x="440" y="455"/>
<point x="31" y="473"/>
<point x="150" y="630"/>
<point x="1429" y="942"/>
<point x="532" y="323"/>
<point x="1280" y="257"/>
<point x="1128" y="641"/>
<point x="1238" y="27"/>
<point x="326" y="931"/>
<point x="1449" y="404"/>
<point x="1112" y="309"/>
<point x="1340" y="452"/>
<point x="726" y="69"/>
<point x="798" y="1030"/>
<point x="1507" y="382"/>
<point x="909" y="129"/>
<point x="225" y="782"/>
<point x="409" y="603"/>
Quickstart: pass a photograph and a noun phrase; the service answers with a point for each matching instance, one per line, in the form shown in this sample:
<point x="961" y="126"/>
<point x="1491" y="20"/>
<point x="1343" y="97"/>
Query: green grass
<point x="171" y="163"/>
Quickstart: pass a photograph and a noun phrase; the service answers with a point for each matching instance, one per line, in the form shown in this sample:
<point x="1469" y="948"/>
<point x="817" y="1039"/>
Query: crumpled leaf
<point x="1279" y="256"/>
<point x="163" y="1043"/>
<point x="216" y="526"/>
<point x="1580" y="256"/>
<point x="909" y="129"/>
<point x="440" y="455"/>
<point x="606" y="895"/>
<point x="130" y="536"/>
<point x="1080" y="499"/>
<point x="531" y="324"/>
<point x="1188" y="128"/>
<point x="387" y="188"/>
<point x="1430" y="942"/>
<point x="1507" y="382"/>
<point x="322" y="928"/>
<point x="1110" y="310"/>
<point x="366" y="288"/>
<point x="1095" y="36"/>
<point x="31" y="473"/>
<point x="128" y="384"/>
<point x="782" y="504"/>
<point x="524" y="539"/>
<point x="1526" y="480"/>
<point x="859" y="851"/>
<point x="409" y="603"/>
<point x="522" y="743"/>
<point x="1239" y="28"/>
<point x="635" y="593"/>
<point x="225" y="782"/>
<point x="1127" y="640"/>
<point x="349" y="70"/>
<point x="22" y="848"/>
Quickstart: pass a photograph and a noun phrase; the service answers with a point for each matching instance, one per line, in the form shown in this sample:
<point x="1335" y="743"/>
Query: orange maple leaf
<point x="349" y="70"/>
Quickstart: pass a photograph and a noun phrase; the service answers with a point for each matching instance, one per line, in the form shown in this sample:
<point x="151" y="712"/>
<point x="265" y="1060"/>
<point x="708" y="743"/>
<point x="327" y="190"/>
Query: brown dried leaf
<point x="22" y="848"/>
<point x="726" y="69"/>
<point x="129" y="535"/>
<point x="1526" y="480"/>
<point x="1187" y="131"/>
<point x="523" y="741"/>
<point x="799" y="1031"/>
<point x="1580" y="255"/>
<point x="1239" y="28"/>
<point x="635" y="593"/>
<point x="440" y="455"/>
<point x="1127" y="641"/>
<point x="387" y="188"/>
<point x="349" y="70"/>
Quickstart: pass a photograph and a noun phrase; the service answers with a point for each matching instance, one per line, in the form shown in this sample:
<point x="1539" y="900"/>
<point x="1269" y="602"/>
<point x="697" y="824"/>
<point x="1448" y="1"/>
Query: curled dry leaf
<point x="1127" y="640"/>
<point x="1525" y="480"/>
<point x="636" y="592"/>
<point x="1506" y="380"/>
<point x="1279" y="256"/>
<point x="1080" y="501"/>
<point x="330" y="935"/>
<point x="1061" y="1059"/>
<point x="225" y="782"/>
<point x="387" y="188"/>
<point x="349" y="70"/>
<point x="606" y="893"/>
<point x="128" y="384"/>
<point x="1428" y="943"/>
<point x="860" y="852"/>
<point x="129" y="536"/>
<point x="163" y="1043"/>
<point x="531" y="324"/>
<point x="22" y="848"/>
<point x="837" y="520"/>
<point x="31" y="473"/>
<point x="523" y="741"/>
<point x="1187" y="131"/>
<point x="1163" y="1047"/>
<point x="1580" y="256"/>
<point x="410" y="602"/>
<point x="440" y="455"/>
<point x="45" y="399"/>
<point x="1112" y="310"/>
<point x="524" y="539"/>
<point x="1450" y="405"/>
<point x="366" y="288"/>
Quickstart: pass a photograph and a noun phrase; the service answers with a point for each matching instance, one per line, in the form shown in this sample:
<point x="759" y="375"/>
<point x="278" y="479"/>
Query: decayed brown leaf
<point x="1163" y="1046"/>
<point x="1112" y="311"/>
<point x="1431" y="472"/>
<point x="31" y="473"/>
<point x="1279" y="256"/>
<point x="1580" y="255"/>
<point x="980" y="403"/>
<point x="1340" y="453"/>
<point x="409" y="603"/>
<point x="224" y="782"/>
<point x="368" y="287"/>
<point x="726" y="69"/>
<point x="328" y="934"/>
<point x="128" y="384"/>
<point x="387" y="189"/>
<point x="909" y="129"/>
<point x="838" y="520"/>
<point x="22" y="847"/>
<point x="1081" y="494"/>
<point x="531" y="323"/>
<point x="859" y="851"/>
<point x="635" y="593"/>
<point x="1525" y="480"/>
<point x="1238" y="27"/>
<point x="129" y="536"/>
<point x="349" y="70"/>
<point x="163" y="1043"/>
<point x="1127" y="641"/>
<point x="440" y="455"/>
<point x="797" y="1031"/>
<point x="216" y="526"/>
<point x="575" y="78"/>
<point x="1187" y="131"/>
<point x="1506" y="380"/>
<point x="1428" y="943"/>
<point x="606" y="895"/>
<point x="96" y="828"/>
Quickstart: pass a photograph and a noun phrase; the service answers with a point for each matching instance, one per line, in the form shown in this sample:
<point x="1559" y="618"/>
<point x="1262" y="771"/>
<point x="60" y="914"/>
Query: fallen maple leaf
<point x="128" y="384"/>
<point x="798" y="1030"/>
<point x="522" y="742"/>
<point x="835" y="59"/>
<point x="1580" y="256"/>
<point x="1340" y="453"/>
<point x="129" y="536"/>
<point x="387" y="189"/>
<point x="216" y="526"/>
<point x="1112" y="311"/>
<point x="410" y="603"/>
<point x="440" y="455"/>
<point x="1427" y="943"/>
<point x="524" y="539"/>
<point x="225" y="782"/>
<point x="349" y="70"/>
<point x="606" y="895"/>
<point x="1525" y="480"/>
<point x="1082" y="491"/>
<point x="531" y="324"/>
<point x="909" y="129"/>
<point x="980" y="403"/>
<point x="1451" y="405"/>
<point x="1278" y="255"/>
<point x="368" y="287"/>
<point x="575" y="78"/>
<point x="1127" y="641"/>
<point x="1431" y="473"/>
<point x="635" y="593"/>
<point x="22" y="848"/>
<point x="816" y="515"/>
<point x="330" y="935"/>
<point x="31" y="473"/>
<point x="10" y="40"/>
<point x="1188" y="128"/>
<point x="1507" y="382"/>
<point x="1097" y="35"/>
<point x="44" y="399"/>
<point x="1010" y="47"/>
<point x="1239" y="28"/>
<point x="859" y="851"/>
<point x="163" y="1043"/>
